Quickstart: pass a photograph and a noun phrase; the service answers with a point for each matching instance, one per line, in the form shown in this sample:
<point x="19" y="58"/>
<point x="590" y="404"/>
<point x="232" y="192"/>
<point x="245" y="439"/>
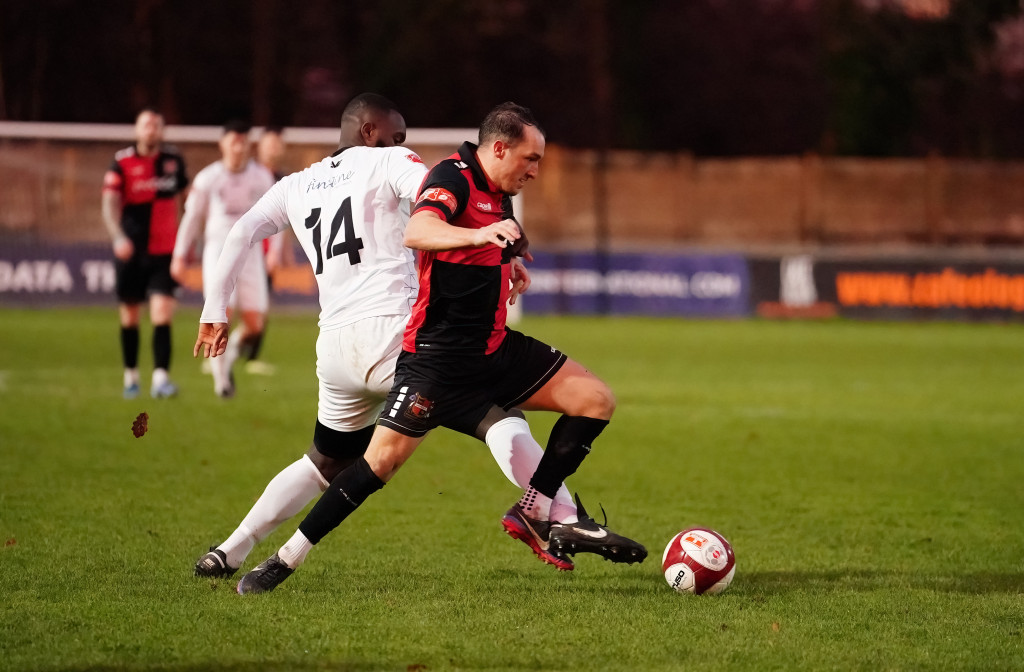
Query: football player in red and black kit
<point x="141" y="192"/>
<point x="459" y="359"/>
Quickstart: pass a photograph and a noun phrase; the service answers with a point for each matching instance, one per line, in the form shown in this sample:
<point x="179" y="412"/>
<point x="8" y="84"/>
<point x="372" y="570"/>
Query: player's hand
<point x="520" y="280"/>
<point x="212" y="340"/>
<point x="178" y="270"/>
<point x="501" y="234"/>
<point x="124" y="248"/>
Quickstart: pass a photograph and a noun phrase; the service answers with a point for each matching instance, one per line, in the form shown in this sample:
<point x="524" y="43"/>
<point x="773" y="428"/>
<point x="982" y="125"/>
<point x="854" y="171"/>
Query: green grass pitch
<point x="870" y="477"/>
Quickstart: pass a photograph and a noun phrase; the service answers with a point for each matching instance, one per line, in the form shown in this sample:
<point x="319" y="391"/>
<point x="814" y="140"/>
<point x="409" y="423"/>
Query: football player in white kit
<point x="349" y="213"/>
<point x="221" y="193"/>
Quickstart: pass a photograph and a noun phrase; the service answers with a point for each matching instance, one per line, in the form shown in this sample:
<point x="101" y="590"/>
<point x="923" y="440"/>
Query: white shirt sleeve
<point x="267" y="217"/>
<point x="406" y="172"/>
<point x="196" y="208"/>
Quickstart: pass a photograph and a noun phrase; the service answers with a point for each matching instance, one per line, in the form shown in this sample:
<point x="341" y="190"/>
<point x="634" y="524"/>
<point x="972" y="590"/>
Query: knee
<point x="385" y="464"/>
<point x="601" y="403"/>
<point x="329" y="467"/>
<point x="253" y="322"/>
<point x="595" y="401"/>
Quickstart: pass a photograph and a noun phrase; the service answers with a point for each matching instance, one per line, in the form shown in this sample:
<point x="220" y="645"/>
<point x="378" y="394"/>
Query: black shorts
<point x="142" y="275"/>
<point x="457" y="391"/>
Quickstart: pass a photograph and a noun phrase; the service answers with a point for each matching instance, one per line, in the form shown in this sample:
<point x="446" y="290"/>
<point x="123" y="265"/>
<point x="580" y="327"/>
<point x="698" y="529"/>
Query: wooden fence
<point x="50" y="190"/>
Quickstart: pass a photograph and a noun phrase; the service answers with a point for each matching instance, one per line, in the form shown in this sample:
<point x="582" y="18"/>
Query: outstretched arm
<point x="264" y="219"/>
<point x="427" y="231"/>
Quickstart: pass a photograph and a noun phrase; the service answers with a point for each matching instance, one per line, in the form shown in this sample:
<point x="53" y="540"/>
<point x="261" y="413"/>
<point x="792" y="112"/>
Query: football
<point x="699" y="561"/>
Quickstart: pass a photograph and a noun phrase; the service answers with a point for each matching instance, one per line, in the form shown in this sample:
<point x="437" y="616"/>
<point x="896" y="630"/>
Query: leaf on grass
<point x="141" y="424"/>
<point x="11" y="542"/>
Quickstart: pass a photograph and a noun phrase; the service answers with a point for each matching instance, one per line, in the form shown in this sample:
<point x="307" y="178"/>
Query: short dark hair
<point x="506" y="122"/>
<point x="277" y="129"/>
<point x="237" y="126"/>
<point x="373" y="101"/>
<point x="148" y="110"/>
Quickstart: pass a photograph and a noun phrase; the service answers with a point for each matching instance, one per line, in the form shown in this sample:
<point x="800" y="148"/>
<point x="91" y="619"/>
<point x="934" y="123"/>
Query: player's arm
<point x="196" y="209"/>
<point x="267" y="217"/>
<point x="112" y="205"/>
<point x="442" y="198"/>
<point x="427" y="231"/>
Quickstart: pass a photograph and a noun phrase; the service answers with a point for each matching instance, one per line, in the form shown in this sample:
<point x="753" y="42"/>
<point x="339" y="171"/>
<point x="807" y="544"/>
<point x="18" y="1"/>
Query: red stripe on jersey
<point x="488" y="255"/>
<point x="501" y="315"/>
<point x="419" y="308"/>
<point x="428" y="327"/>
<point x="139" y="184"/>
<point x="437" y="211"/>
<point x="163" y="226"/>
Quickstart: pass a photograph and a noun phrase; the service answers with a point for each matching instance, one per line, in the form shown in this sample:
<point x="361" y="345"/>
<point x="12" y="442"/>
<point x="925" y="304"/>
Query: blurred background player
<point x="221" y="193"/>
<point x="141" y="192"/>
<point x="277" y="250"/>
<point x="270" y="150"/>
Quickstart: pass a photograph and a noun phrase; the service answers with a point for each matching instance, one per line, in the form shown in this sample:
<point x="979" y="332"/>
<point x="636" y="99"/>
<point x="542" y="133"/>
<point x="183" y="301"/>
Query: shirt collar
<point x="467" y="152"/>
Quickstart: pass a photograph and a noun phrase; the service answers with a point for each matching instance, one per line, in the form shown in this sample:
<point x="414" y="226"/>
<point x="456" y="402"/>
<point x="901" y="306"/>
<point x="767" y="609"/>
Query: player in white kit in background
<point x="221" y="193"/>
<point x="349" y="212"/>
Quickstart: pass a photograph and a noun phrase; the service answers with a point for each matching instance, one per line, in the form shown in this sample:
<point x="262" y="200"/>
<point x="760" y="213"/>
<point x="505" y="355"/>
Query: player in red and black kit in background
<point x="141" y="203"/>
<point x="459" y="358"/>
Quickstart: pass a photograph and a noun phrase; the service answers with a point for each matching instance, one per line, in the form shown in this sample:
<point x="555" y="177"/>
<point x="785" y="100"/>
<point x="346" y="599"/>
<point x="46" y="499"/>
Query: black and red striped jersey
<point x="148" y="186"/>
<point x="463" y="295"/>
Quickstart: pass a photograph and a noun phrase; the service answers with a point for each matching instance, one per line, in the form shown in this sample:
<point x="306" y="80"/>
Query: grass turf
<point x="867" y="474"/>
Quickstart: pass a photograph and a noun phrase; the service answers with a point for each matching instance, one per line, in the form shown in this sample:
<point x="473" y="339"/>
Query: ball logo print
<point x="699" y="561"/>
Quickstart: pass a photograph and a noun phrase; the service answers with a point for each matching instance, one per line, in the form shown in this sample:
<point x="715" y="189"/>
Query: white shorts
<point x="356" y="367"/>
<point x="251" y="291"/>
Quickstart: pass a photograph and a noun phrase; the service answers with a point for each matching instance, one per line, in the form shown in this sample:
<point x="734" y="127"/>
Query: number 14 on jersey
<point x="349" y="244"/>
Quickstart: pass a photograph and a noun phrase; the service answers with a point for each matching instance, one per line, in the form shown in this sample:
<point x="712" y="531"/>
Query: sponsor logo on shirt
<point x="151" y="184"/>
<point x="414" y="158"/>
<point x="486" y="207"/>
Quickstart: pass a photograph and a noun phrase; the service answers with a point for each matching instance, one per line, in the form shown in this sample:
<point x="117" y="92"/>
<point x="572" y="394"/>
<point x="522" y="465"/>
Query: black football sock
<point x="162" y="346"/>
<point x="568" y="445"/>
<point x="130" y="347"/>
<point x="249" y="349"/>
<point x="347" y="491"/>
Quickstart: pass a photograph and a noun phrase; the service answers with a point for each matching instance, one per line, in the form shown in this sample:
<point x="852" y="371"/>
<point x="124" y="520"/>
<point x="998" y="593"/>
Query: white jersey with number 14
<point x="349" y="213"/>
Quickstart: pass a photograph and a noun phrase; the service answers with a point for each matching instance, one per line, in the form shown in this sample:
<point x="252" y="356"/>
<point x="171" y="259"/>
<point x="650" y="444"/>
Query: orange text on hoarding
<point x="946" y="289"/>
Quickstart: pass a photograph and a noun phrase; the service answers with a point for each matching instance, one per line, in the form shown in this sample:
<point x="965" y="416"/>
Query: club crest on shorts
<point x="419" y="407"/>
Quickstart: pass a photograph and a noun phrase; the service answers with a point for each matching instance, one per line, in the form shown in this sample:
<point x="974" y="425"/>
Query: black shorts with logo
<point x="142" y="275"/>
<point x="456" y="391"/>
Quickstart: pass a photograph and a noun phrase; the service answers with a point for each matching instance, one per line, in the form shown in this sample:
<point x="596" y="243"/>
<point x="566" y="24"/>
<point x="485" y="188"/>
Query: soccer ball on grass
<point x="698" y="561"/>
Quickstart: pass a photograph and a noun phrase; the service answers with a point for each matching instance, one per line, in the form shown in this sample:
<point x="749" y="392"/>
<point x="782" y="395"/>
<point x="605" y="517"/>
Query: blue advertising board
<point x="639" y="284"/>
<point x="565" y="283"/>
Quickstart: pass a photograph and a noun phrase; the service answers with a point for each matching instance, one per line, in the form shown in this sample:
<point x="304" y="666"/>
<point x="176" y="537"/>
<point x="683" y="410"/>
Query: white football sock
<point x="235" y="344"/>
<point x="286" y="495"/>
<point x="535" y="504"/>
<point x="131" y="377"/>
<point x="220" y="367"/>
<point x="159" y="377"/>
<point x="518" y="454"/>
<point x="295" y="550"/>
